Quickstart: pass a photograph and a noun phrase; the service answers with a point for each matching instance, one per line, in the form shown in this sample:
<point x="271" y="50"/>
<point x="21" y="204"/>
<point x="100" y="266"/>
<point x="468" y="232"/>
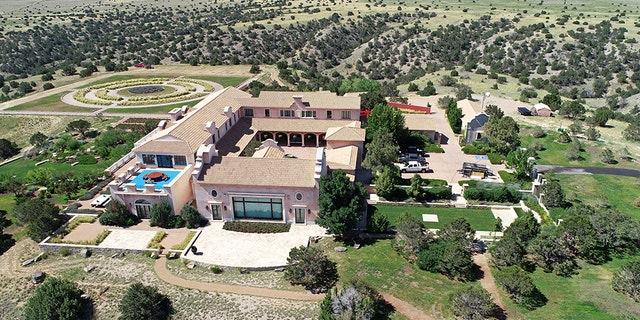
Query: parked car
<point x="412" y="157"/>
<point x="414" y="166"/>
<point x="413" y="149"/>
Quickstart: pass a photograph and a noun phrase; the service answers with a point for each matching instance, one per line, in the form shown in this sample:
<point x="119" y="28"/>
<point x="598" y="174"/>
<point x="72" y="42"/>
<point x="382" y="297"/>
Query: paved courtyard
<point x="252" y="250"/>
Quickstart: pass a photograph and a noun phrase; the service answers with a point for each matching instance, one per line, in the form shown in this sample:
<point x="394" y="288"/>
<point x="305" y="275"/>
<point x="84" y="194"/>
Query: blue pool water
<point x="139" y="180"/>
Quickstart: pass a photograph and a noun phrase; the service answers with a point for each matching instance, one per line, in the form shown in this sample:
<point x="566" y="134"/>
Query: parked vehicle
<point x="414" y="166"/>
<point x="413" y="150"/>
<point x="412" y="157"/>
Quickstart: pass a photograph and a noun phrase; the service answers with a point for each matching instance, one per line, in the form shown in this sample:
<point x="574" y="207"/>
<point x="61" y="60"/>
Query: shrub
<point x="627" y="280"/>
<point x="472" y="303"/>
<point x="495" y="194"/>
<point x="185" y="242"/>
<point x="190" y="215"/>
<point x="310" y="267"/>
<point x="537" y="132"/>
<point x="117" y="214"/>
<point x="160" y="214"/>
<point x="155" y="241"/>
<point x="356" y="300"/>
<point x="476" y="147"/>
<point x="64" y="251"/>
<point x="520" y="287"/>
<point x="54" y="299"/>
<point x="216" y="269"/>
<point x="144" y="302"/>
<point x="437" y="193"/>
<point x="495" y="158"/>
<point x="377" y="222"/>
<point x="410" y="238"/>
<point x="256" y="227"/>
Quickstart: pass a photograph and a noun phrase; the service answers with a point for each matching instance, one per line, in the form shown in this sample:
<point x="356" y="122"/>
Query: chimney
<point x="211" y="127"/>
<point x="184" y="109"/>
<point x="297" y="100"/>
<point x="228" y="112"/>
<point x="175" y="114"/>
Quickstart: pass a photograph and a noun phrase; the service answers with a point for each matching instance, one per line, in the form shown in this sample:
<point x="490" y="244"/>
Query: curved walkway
<point x="160" y="268"/>
<point x="590" y="170"/>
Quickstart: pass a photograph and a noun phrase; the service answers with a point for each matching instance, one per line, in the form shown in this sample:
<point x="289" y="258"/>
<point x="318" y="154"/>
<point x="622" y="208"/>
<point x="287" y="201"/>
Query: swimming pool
<point x="158" y="183"/>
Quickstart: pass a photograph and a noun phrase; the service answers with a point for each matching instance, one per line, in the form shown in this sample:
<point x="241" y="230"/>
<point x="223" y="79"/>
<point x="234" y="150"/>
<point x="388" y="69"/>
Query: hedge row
<point x="94" y="242"/>
<point x="207" y="86"/>
<point x="499" y="194"/>
<point x="256" y="227"/>
<point x="102" y="94"/>
<point x="155" y="241"/>
<point x="187" y="86"/>
<point x="127" y="83"/>
<point x="177" y="99"/>
<point x="80" y="97"/>
<point x="185" y="242"/>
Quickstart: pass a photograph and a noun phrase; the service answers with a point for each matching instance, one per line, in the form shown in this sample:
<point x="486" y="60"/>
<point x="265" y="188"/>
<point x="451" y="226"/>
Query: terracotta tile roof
<point x="315" y="100"/>
<point x="191" y="129"/>
<point x="265" y="172"/>
<point x="269" y="152"/>
<point x="345" y="134"/>
<point x="298" y="125"/>
<point x="419" y="122"/>
<point x="345" y="158"/>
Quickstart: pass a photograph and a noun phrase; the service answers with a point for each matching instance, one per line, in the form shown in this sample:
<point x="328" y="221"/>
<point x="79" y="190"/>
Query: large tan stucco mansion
<point x="196" y="156"/>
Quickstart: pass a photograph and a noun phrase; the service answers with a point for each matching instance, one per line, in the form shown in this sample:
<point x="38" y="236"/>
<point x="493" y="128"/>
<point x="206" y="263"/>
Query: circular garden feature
<point x="146" y="89"/>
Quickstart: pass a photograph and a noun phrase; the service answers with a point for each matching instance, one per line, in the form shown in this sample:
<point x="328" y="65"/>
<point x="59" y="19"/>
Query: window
<point x="346" y="114"/>
<point x="298" y="196"/>
<point x="308" y="114"/>
<point x="214" y="193"/>
<point x="329" y="114"/>
<point x="267" y="113"/>
<point x="286" y="113"/>
<point x="257" y="208"/>
<point x="149" y="159"/>
<point x="248" y="112"/>
<point x="180" y="160"/>
<point x="216" y="212"/>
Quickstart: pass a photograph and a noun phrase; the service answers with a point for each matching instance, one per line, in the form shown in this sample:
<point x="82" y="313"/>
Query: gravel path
<point x="160" y="268"/>
<point x="487" y="281"/>
<point x="590" y="170"/>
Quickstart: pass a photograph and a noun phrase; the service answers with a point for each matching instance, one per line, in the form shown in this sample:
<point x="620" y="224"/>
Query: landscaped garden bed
<point x="256" y="227"/>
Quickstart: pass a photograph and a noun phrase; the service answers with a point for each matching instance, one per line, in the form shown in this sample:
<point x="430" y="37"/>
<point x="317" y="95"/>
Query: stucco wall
<point x="226" y="192"/>
<point x="180" y="190"/>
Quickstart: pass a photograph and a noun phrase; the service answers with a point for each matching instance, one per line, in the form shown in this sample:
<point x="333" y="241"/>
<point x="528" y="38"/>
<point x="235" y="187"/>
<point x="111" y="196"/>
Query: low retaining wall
<point x="76" y="248"/>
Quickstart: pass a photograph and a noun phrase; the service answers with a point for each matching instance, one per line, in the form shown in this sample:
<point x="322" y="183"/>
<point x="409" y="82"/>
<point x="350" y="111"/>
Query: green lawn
<point x="21" y="167"/>
<point x="381" y="267"/>
<point x="50" y="103"/>
<point x="618" y="192"/>
<point x="587" y="295"/>
<point x="479" y="219"/>
<point x="555" y="153"/>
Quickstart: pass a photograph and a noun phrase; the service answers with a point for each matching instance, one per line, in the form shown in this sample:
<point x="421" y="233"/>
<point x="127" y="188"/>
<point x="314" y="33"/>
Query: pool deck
<point x="249" y="250"/>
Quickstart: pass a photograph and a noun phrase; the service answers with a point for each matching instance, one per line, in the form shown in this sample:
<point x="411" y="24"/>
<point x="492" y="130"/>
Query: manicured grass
<point x="224" y="81"/>
<point x="616" y="191"/>
<point x="22" y="166"/>
<point x="381" y="267"/>
<point x="50" y="103"/>
<point x="587" y="295"/>
<point x="479" y="219"/>
<point x="508" y="178"/>
<point x="153" y="110"/>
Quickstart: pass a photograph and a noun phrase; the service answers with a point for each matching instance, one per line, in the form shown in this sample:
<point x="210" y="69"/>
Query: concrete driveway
<point x="445" y="165"/>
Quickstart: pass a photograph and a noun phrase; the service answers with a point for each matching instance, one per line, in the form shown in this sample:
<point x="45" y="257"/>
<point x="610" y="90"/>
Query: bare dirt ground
<point x="487" y="281"/>
<point x="88" y="231"/>
<point x="107" y="282"/>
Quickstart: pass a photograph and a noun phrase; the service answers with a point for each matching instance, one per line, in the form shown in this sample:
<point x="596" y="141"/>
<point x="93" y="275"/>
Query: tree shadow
<point x="386" y="310"/>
